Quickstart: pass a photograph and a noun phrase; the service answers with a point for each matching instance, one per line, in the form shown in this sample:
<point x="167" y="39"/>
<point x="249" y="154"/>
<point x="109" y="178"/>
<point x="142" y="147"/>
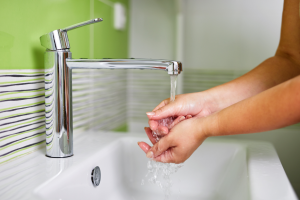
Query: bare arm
<point x="272" y="109"/>
<point x="284" y="65"/>
<point x="276" y="107"/>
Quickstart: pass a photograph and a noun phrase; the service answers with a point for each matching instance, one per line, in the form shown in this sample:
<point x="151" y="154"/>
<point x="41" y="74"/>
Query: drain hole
<point x="96" y="176"/>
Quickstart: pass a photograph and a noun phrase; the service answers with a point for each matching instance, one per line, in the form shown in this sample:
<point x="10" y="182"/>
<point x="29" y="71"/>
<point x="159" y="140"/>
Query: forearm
<point x="268" y="74"/>
<point x="274" y="108"/>
<point x="283" y="66"/>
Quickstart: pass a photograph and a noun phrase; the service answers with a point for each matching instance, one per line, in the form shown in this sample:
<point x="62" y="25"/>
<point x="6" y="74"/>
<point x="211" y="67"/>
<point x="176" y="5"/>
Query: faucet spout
<point x="172" y="67"/>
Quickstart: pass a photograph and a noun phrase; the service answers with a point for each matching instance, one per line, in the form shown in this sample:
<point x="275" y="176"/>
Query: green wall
<point x="23" y="22"/>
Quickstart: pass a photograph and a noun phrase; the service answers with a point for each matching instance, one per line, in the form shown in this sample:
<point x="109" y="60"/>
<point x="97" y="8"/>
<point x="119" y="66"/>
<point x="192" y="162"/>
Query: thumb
<point x="163" y="112"/>
<point x="160" y="147"/>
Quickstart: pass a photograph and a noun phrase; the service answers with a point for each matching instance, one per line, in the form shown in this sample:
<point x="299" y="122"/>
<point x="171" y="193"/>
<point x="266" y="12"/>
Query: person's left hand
<point x="177" y="146"/>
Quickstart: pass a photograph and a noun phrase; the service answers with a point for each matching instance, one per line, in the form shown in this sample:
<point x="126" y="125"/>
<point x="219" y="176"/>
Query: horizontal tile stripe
<point x="22" y="71"/>
<point x="21" y="120"/>
<point x="2" y="138"/>
<point x="18" y="84"/>
<point x="22" y="114"/>
<point x="20" y="75"/>
<point x="21" y="140"/>
<point x="23" y="98"/>
<point x="22" y="81"/>
<point x="22" y="153"/>
<point x="21" y="148"/>
<point x="20" y="127"/>
<point x="41" y="89"/>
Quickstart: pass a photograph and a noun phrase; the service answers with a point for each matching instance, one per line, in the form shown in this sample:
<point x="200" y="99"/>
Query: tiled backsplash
<point x="22" y="120"/>
<point x="98" y="104"/>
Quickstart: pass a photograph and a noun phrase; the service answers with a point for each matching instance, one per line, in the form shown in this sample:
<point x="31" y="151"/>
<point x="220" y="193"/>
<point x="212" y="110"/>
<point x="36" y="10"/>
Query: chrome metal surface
<point x="58" y="109"/>
<point x="58" y="86"/>
<point x="96" y="176"/>
<point x="55" y="40"/>
<point x="83" y="24"/>
<point x="172" y="67"/>
<point x="58" y="39"/>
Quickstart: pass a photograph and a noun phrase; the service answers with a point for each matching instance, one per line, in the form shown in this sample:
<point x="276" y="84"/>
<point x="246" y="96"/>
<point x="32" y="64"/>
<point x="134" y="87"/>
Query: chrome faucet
<point x="58" y="84"/>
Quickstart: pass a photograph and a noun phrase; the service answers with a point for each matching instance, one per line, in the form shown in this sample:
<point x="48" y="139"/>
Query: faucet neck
<point x="58" y="104"/>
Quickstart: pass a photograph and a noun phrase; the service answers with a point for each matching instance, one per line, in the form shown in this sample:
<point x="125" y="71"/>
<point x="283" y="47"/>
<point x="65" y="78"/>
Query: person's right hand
<point x="198" y="104"/>
<point x="181" y="142"/>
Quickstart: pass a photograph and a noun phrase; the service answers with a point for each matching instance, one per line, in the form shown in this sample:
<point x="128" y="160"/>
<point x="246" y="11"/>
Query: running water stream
<point x="160" y="173"/>
<point x="173" y="87"/>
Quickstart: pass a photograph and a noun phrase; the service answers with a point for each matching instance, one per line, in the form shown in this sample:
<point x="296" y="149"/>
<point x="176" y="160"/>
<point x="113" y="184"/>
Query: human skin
<point x="265" y="98"/>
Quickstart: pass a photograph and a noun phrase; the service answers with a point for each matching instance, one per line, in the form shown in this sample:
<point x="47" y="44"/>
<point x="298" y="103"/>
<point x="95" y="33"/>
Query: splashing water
<point x="160" y="173"/>
<point x="163" y="122"/>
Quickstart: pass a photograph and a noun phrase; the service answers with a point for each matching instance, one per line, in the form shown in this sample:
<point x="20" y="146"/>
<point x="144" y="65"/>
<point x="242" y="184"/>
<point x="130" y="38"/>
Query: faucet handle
<point x="58" y="39"/>
<point x="92" y="21"/>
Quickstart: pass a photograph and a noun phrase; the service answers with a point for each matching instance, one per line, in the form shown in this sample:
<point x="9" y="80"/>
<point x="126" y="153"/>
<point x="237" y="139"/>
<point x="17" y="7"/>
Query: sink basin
<point x="219" y="169"/>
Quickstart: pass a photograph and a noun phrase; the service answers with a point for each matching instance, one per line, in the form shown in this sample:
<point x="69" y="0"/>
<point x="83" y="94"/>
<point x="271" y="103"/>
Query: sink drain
<point x="96" y="176"/>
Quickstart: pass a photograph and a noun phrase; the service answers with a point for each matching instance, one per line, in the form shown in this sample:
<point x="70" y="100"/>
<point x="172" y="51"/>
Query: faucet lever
<point x="83" y="24"/>
<point x="58" y="39"/>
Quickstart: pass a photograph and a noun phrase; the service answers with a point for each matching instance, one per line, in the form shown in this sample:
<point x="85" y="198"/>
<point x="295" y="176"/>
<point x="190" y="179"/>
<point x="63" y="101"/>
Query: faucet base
<point x="59" y="157"/>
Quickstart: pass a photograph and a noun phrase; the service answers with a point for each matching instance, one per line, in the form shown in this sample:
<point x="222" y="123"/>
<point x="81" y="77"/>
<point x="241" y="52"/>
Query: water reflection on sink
<point x="219" y="169"/>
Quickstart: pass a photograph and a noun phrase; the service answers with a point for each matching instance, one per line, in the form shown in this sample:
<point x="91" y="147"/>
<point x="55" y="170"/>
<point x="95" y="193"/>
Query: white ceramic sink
<point x="219" y="169"/>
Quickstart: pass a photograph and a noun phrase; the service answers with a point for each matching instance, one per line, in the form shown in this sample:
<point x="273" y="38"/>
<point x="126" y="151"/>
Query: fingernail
<point x="138" y="143"/>
<point x="181" y="118"/>
<point x="150" y="113"/>
<point x="149" y="154"/>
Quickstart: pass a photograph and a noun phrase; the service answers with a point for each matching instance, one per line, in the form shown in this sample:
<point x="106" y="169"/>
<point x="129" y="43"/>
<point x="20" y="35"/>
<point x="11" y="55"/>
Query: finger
<point x="150" y="135"/>
<point x="162" y="104"/>
<point x="162" y="130"/>
<point x="163" y="112"/>
<point x="144" y="146"/>
<point x="153" y="124"/>
<point x="165" y="157"/>
<point x="176" y="121"/>
<point x="161" y="146"/>
<point x="188" y="116"/>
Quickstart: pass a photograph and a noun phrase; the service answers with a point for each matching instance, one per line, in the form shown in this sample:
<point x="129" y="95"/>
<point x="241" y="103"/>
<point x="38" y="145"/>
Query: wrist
<point x="211" y="102"/>
<point x="208" y="126"/>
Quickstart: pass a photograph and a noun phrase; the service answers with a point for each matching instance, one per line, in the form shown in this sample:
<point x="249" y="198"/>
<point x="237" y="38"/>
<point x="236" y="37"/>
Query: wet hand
<point x="178" y="145"/>
<point x="187" y="105"/>
<point x="163" y="126"/>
